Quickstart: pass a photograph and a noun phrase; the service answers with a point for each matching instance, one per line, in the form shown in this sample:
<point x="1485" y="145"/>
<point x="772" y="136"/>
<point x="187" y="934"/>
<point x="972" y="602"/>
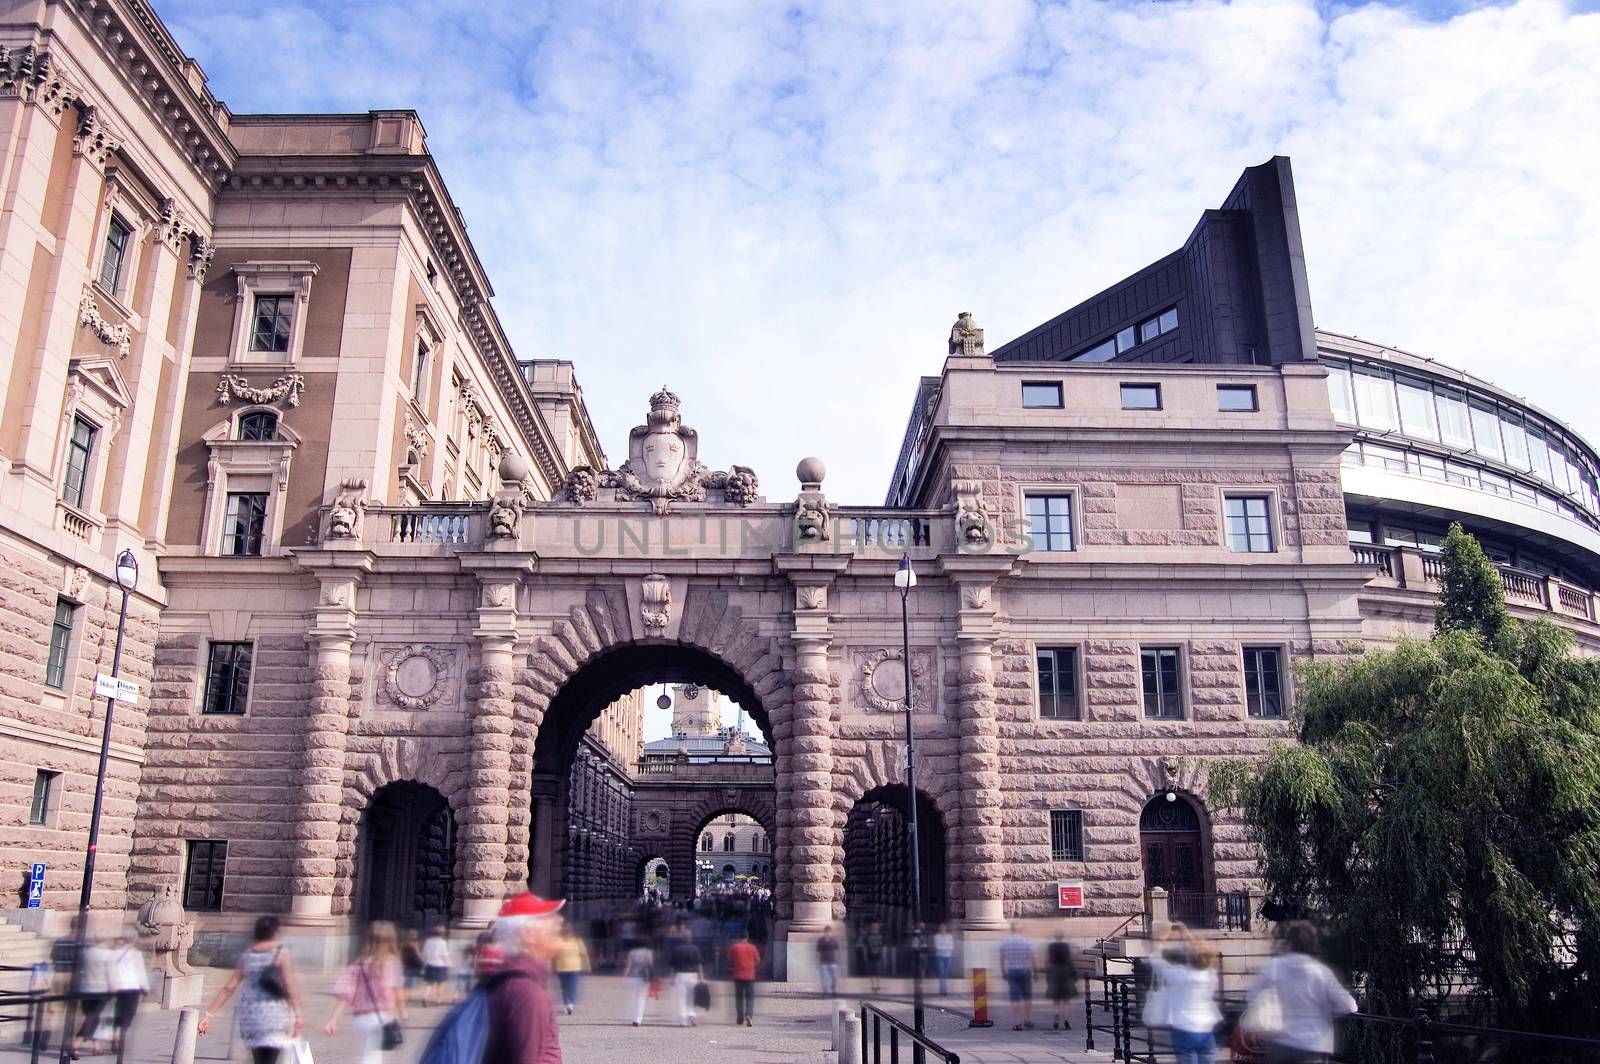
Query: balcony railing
<point x="456" y="524"/>
<point x="1424" y="570"/>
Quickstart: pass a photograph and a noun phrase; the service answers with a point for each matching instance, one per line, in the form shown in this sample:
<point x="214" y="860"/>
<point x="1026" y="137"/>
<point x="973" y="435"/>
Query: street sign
<point x="116" y="687"/>
<point x="1069" y="894"/>
<point x="36" y="886"/>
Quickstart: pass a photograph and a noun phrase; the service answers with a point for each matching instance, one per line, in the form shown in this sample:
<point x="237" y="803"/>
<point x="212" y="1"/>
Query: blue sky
<point x="778" y="209"/>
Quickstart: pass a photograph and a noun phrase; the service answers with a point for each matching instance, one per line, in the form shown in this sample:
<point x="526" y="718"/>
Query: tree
<point x="1441" y="812"/>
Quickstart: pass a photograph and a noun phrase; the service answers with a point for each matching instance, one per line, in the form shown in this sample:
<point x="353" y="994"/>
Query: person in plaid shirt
<point x="1016" y="961"/>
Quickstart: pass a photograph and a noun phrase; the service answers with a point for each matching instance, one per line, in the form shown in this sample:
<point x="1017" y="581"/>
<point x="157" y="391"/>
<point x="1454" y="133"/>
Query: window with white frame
<point x="248" y="474"/>
<point x="80" y="450"/>
<point x="272" y="297"/>
<point x="244" y="524"/>
<point x="1249" y="521"/>
<point x="114" y="255"/>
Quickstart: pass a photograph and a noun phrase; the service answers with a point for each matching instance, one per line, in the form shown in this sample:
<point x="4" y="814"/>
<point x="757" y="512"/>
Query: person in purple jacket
<point x="522" y="1012"/>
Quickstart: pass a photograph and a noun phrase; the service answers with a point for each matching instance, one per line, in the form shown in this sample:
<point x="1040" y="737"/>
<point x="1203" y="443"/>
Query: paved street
<point x="790" y="1026"/>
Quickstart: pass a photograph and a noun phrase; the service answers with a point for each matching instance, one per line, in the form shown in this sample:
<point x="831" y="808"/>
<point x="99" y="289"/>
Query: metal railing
<point x="1228" y="911"/>
<point x="875" y="1049"/>
<point x="34" y="1009"/>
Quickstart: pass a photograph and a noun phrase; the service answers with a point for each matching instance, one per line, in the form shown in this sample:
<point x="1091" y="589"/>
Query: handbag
<point x="271" y="980"/>
<point x="1264" y="1016"/>
<point x="1157" y="1010"/>
<point x="702" y="995"/>
<point x="393" y="1035"/>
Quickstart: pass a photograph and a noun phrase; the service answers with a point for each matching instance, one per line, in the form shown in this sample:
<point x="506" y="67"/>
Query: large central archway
<point x="598" y="874"/>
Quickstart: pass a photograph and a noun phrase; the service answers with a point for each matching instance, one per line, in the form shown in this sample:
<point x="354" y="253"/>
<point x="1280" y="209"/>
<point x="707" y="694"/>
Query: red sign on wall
<point x="1069" y="894"/>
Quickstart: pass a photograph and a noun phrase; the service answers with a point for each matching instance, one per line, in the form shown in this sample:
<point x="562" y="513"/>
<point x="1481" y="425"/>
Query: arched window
<point x="727" y="843"/>
<point x="705" y="842"/>
<point x="258" y="426"/>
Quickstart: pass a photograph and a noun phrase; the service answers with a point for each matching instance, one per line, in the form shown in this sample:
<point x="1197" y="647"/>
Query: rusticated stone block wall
<point x="60" y="731"/>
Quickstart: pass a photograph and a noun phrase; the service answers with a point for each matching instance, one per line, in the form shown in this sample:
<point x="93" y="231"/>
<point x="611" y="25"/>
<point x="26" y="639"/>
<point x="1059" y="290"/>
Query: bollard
<point x="188" y="1030"/>
<point x="850" y="1038"/>
<point x="837" y="1014"/>
<point x="980" y="998"/>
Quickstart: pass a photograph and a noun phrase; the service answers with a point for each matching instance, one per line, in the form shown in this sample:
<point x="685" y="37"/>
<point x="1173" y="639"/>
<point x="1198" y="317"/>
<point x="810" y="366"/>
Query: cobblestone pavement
<point x="791" y="1025"/>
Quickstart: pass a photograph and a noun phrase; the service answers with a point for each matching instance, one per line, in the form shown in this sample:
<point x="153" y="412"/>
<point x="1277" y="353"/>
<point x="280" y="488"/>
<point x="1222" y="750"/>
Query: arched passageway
<point x="408" y="856"/>
<point x="655" y="879"/>
<point x="1173" y="849"/>
<point x="591" y="827"/>
<point x="877" y="862"/>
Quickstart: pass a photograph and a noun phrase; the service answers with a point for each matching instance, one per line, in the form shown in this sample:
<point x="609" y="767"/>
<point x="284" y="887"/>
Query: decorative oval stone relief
<point x="416" y="676"/>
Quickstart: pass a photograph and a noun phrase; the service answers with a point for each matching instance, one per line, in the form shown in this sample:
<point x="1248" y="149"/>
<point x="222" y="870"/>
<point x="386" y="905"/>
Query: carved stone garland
<point x="880" y="680"/>
<point x="89" y="316"/>
<point x="286" y="389"/>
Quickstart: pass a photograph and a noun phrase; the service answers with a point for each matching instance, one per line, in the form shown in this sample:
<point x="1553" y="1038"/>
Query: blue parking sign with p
<point x="36" y="886"/>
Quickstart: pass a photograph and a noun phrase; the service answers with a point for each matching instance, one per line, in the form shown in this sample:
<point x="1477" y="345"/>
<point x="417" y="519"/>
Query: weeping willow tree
<point x="1441" y="811"/>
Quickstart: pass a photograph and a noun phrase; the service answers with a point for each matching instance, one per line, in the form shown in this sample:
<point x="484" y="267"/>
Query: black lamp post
<point x="905" y="579"/>
<point x="127" y="580"/>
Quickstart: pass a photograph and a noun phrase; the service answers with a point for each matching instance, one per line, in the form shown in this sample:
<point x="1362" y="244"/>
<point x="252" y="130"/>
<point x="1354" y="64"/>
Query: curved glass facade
<point x="1442" y="429"/>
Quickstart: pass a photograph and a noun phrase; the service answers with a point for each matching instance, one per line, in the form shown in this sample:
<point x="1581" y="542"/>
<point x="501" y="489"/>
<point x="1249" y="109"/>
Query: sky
<point x="658" y="721"/>
<point x="778" y="209"/>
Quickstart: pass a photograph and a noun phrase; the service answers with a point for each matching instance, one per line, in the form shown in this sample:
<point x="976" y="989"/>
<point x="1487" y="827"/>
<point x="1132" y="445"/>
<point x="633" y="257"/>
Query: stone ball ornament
<point x="514" y="468"/>
<point x="811" y="470"/>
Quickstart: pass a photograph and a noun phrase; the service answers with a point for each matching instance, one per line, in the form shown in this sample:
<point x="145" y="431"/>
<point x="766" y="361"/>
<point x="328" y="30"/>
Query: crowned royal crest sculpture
<point x="663" y="466"/>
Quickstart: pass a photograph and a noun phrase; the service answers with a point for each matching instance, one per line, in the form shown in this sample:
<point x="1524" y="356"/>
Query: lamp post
<point x="127" y="580"/>
<point x="905" y="579"/>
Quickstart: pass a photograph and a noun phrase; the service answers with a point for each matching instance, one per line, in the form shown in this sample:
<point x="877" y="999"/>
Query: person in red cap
<point x="522" y="1014"/>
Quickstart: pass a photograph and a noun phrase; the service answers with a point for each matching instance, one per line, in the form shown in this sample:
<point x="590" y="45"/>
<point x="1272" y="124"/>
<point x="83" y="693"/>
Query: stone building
<point x="731" y="846"/>
<point x="396" y="603"/>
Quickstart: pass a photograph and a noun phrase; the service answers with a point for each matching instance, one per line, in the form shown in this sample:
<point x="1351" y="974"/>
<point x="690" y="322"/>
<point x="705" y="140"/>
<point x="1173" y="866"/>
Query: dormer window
<point x="258" y="426"/>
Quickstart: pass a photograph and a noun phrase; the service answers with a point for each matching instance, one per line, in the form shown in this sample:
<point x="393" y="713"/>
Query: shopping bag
<point x="1265" y="1014"/>
<point x="655" y="989"/>
<point x="300" y="1052"/>
<point x="702" y="995"/>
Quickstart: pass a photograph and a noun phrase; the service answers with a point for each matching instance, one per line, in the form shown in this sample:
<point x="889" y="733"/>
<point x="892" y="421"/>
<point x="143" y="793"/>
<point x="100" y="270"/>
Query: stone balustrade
<point x="1420" y="570"/>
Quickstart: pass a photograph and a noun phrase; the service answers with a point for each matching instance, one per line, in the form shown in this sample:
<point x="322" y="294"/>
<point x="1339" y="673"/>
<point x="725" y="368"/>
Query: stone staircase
<point x="19" y="948"/>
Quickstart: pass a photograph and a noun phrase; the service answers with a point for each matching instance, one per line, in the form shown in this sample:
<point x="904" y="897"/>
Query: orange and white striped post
<point x="980" y="998"/>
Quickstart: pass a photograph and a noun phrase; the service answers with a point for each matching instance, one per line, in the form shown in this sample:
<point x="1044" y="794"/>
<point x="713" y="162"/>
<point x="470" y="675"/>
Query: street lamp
<point x="127" y="579"/>
<point x="905" y="579"/>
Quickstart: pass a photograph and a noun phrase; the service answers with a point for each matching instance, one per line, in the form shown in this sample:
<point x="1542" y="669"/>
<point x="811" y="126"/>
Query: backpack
<point x="463" y="1033"/>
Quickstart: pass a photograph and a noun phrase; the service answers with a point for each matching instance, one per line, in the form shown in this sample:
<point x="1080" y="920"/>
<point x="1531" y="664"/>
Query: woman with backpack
<point x="269" y="1002"/>
<point x="373" y="990"/>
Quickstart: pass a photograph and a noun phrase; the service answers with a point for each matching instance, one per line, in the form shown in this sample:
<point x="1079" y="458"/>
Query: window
<point x="1263" y="683"/>
<point x="1169" y="320"/>
<point x="1416" y="411"/>
<point x="1158" y="674"/>
<point x="44" y="789"/>
<point x="1361" y="532"/>
<point x="1339" y="396"/>
<point x="1515" y="438"/>
<point x="1058" y="683"/>
<point x="1236" y="397"/>
<point x="55" y="668"/>
<point x="1125" y="339"/>
<point x="1455" y="429"/>
<point x="727" y="843"/>
<point x="258" y="426"/>
<point x="228" y="678"/>
<point x="203" y="875"/>
<point x="1104" y="351"/>
<point x="1486" y="431"/>
<point x="705" y="843"/>
<point x="1141" y="397"/>
<point x="244" y="524"/>
<point x="419" y="377"/>
<point x="1066" y="835"/>
<point x="1249" y="527"/>
<point x="114" y="256"/>
<point x="80" y="447"/>
<point x="1050" y="521"/>
<point x="1041" y="394"/>
<point x="269" y="330"/>
<point x="1375" y="401"/>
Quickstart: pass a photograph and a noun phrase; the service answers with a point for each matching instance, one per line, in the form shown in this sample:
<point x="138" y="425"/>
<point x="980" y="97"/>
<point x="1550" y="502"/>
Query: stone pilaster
<point x="978" y="749"/>
<point x="482" y="840"/>
<point x="313" y="861"/>
<point x="811" y="844"/>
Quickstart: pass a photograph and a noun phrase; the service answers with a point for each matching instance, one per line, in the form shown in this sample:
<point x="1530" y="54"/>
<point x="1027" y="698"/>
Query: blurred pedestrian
<point x="1016" y="964"/>
<point x="871" y="949"/>
<point x="1309" y="997"/>
<point x="688" y="970"/>
<point x="828" y="962"/>
<point x="94" y="984"/>
<point x="269" y="1000"/>
<point x="522" y="1016"/>
<point x="435" y="966"/>
<point x="411" y="960"/>
<point x="488" y="957"/>
<point x="944" y="954"/>
<point x="571" y="961"/>
<point x="128" y="982"/>
<point x="1061" y="979"/>
<point x="743" y="959"/>
<point x="372" y="988"/>
<point x="1185" y="970"/>
<point x="640" y="970"/>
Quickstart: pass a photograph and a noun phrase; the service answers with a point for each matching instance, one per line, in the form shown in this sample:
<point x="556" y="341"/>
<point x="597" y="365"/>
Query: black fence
<point x="882" y="1037"/>
<point x="1229" y="911"/>
<point x="40" y="1014"/>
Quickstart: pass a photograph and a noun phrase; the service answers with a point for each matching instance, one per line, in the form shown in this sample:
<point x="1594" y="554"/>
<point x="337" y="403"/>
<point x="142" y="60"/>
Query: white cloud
<point x="779" y="210"/>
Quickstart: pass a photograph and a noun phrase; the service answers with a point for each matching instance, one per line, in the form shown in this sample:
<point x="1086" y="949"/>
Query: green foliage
<point x="1473" y="598"/>
<point x="1442" y="812"/>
